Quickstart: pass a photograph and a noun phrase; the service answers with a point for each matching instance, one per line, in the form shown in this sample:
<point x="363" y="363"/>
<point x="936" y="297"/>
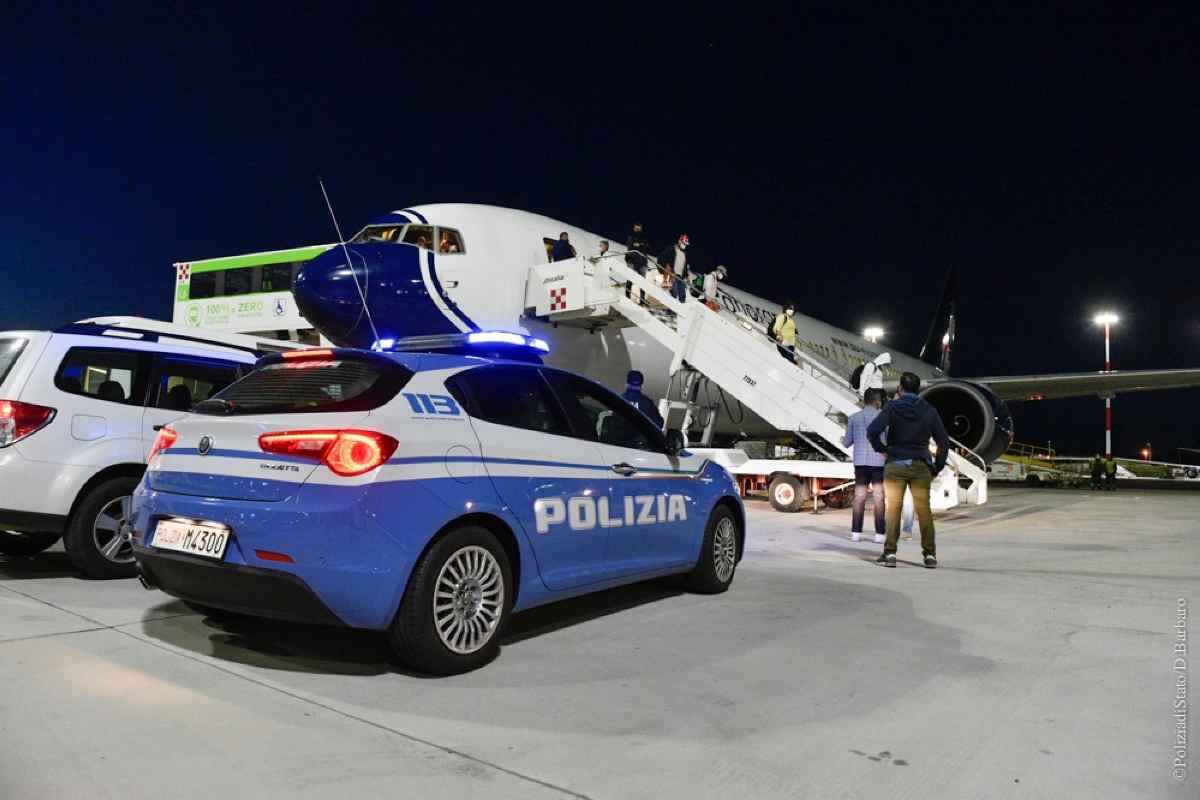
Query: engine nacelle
<point x="973" y="415"/>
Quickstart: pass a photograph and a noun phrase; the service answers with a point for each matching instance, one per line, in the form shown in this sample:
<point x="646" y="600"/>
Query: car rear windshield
<point x="297" y="387"/>
<point x="10" y="351"/>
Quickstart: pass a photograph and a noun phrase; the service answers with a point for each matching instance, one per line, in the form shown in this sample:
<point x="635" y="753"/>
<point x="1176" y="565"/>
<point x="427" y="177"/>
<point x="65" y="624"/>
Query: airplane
<point x="454" y="268"/>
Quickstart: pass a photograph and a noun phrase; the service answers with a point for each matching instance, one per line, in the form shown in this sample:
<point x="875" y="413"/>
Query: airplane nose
<point x="327" y="296"/>
<point x="399" y="282"/>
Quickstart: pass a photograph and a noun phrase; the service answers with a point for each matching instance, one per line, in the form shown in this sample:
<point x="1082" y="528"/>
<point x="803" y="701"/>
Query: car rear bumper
<point x="233" y="587"/>
<point x="31" y="522"/>
<point x="319" y="555"/>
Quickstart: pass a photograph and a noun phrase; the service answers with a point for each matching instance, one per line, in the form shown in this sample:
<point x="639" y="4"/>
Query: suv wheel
<point x="17" y="543"/>
<point x="718" y="554"/>
<point x="458" y="599"/>
<point x="98" y="538"/>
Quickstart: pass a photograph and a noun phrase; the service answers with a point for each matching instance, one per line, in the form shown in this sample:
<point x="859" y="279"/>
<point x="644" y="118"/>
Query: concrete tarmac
<point x="1035" y="663"/>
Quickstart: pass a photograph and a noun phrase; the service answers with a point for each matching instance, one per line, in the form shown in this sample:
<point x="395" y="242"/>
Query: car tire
<point x="101" y="515"/>
<point x="462" y="632"/>
<point x="18" y="543"/>
<point x="788" y="493"/>
<point x="719" y="553"/>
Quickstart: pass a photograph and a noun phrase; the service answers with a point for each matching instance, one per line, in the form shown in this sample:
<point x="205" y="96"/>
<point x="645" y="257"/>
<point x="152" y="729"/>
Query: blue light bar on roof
<point x="465" y="342"/>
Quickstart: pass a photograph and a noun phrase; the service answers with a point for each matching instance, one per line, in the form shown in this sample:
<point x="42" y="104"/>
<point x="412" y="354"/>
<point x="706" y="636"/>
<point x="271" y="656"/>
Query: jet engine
<point x="973" y="415"/>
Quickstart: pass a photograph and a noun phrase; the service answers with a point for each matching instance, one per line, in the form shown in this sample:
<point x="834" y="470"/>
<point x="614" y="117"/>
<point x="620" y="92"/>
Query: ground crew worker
<point x="633" y="393"/>
<point x="868" y="467"/>
<point x="910" y="423"/>
<point x="1097" y="472"/>
<point x="1110" y="473"/>
<point x="784" y="331"/>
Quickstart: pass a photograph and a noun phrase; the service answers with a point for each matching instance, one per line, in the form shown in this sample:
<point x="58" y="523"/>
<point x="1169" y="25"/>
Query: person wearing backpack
<point x="783" y="331"/>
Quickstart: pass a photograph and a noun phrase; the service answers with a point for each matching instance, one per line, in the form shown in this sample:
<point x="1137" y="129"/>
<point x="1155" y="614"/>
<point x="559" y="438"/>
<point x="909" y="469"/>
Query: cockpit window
<point x="449" y="241"/>
<point x="420" y="235"/>
<point x="378" y="233"/>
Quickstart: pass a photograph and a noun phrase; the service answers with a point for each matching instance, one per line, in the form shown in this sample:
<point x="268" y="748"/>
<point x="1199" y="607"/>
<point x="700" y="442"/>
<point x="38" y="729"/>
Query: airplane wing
<point x="1083" y="384"/>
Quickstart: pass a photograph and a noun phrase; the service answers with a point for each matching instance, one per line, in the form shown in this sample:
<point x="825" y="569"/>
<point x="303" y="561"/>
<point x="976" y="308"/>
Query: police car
<point x="428" y="494"/>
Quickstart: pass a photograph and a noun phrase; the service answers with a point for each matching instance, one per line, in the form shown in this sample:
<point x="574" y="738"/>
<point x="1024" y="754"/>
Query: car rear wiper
<point x="215" y="404"/>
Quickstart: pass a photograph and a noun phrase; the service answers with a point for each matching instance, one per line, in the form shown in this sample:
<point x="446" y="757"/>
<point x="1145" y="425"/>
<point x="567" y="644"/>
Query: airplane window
<point x="420" y="235"/>
<point x="378" y="233"/>
<point x="449" y="241"/>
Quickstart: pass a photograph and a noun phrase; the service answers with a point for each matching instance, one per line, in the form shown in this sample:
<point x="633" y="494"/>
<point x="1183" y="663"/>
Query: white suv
<point x="79" y="409"/>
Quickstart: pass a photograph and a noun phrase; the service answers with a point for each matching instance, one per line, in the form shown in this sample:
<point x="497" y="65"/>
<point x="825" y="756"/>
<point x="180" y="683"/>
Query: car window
<point x="10" y="350"/>
<point x="184" y="382"/>
<point x="601" y="416"/>
<point x="118" y="376"/>
<point x="514" y="396"/>
<point x="306" y="386"/>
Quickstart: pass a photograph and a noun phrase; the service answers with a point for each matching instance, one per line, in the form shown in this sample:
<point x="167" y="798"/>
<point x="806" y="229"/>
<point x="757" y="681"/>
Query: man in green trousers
<point x="910" y="423"/>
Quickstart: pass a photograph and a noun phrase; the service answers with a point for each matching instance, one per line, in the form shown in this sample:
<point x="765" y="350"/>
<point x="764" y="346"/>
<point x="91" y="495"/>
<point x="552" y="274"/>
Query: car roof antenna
<point x="346" y="251"/>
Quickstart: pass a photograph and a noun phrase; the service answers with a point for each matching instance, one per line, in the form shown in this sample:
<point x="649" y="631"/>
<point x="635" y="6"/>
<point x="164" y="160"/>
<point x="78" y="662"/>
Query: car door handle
<point x="624" y="469"/>
<point x="158" y="428"/>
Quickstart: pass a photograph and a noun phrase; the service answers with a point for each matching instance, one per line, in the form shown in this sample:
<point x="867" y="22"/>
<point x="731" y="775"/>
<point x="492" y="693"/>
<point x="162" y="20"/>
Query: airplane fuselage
<point x="413" y="289"/>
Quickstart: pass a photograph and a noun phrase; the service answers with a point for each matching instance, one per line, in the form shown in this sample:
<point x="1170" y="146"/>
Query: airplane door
<point x="553" y="482"/>
<point x="652" y="518"/>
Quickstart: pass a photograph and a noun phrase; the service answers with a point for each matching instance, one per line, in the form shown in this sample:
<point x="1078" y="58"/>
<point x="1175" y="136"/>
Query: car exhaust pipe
<point x="145" y="582"/>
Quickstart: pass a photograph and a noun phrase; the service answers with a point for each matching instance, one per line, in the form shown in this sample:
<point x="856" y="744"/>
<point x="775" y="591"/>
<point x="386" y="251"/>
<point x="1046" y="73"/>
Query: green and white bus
<point x="249" y="294"/>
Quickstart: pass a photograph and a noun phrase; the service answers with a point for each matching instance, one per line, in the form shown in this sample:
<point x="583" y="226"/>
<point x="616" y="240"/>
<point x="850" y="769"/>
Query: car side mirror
<point x="675" y="442"/>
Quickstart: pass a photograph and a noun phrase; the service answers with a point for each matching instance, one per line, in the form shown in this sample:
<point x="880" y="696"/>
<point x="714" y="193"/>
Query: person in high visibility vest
<point x="784" y="331"/>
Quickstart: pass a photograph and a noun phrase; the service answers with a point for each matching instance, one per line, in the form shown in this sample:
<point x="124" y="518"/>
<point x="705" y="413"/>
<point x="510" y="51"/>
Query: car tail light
<point x="347" y="453"/>
<point x="166" y="437"/>
<point x="18" y="420"/>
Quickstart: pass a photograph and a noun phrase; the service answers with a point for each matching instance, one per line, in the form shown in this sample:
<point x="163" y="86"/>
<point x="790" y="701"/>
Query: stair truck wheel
<point x="788" y="493"/>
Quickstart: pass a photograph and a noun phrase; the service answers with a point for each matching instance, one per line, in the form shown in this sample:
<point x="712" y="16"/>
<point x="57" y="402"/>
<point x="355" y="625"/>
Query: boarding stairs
<point x="805" y="397"/>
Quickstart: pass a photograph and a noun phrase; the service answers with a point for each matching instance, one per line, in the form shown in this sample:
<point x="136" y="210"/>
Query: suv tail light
<point x="18" y="420"/>
<point x="347" y="453"/>
<point x="166" y="437"/>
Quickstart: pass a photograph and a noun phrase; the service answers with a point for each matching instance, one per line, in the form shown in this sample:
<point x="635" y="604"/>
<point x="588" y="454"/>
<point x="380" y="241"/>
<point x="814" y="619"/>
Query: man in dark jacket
<point x="910" y="423"/>
<point x="638" y="246"/>
<point x="633" y="393"/>
<point x="563" y="249"/>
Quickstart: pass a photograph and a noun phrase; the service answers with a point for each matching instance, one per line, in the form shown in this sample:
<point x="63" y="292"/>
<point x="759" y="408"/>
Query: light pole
<point x="1107" y="319"/>
<point x="873" y="333"/>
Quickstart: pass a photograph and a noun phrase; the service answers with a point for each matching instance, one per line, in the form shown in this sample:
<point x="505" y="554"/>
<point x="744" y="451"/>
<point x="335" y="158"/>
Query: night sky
<point x="844" y="161"/>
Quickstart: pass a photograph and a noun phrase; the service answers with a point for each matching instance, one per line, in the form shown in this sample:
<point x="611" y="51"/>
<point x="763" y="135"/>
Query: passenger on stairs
<point x="562" y="248"/>
<point x="633" y="393"/>
<point x="783" y="330"/>
<point x="868" y="467"/>
<point x="603" y="249"/>
<point x="710" y="286"/>
<point x="674" y="262"/>
<point x="871" y="376"/>
<point x="638" y="246"/>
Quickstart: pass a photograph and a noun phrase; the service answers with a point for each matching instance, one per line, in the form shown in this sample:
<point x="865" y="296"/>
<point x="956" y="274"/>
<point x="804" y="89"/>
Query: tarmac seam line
<point x="347" y="715"/>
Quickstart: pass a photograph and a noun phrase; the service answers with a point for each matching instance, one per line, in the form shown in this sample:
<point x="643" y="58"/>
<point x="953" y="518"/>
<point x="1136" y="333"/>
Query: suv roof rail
<point x="153" y="330"/>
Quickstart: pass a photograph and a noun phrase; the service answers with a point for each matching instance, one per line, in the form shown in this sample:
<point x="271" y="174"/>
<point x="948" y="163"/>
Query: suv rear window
<point x="297" y="387"/>
<point x="10" y="351"/>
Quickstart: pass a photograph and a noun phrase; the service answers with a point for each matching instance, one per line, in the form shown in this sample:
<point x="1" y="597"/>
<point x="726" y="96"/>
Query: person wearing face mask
<point x="784" y="331"/>
<point x="674" y="262"/>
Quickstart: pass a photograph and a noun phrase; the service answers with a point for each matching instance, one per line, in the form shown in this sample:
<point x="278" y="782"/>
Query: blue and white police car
<point x="428" y="494"/>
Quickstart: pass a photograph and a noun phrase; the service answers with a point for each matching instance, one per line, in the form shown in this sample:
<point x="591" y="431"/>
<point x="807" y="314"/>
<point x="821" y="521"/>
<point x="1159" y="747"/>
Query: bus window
<point x="239" y="281"/>
<point x="278" y="277"/>
<point x="449" y="241"/>
<point x="203" y="285"/>
<point x="420" y="235"/>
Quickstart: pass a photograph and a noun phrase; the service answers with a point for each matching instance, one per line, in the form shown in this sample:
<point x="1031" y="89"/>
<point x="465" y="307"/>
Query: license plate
<point x="195" y="538"/>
